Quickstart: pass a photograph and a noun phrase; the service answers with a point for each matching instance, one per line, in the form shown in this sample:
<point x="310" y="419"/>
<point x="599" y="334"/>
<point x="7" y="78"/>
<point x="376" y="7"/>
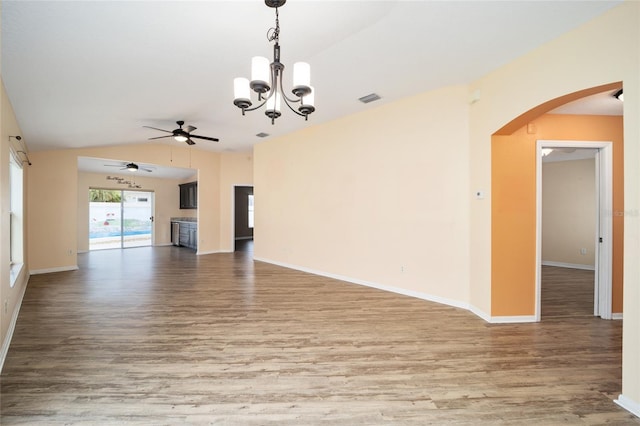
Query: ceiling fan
<point x="182" y="135"/>
<point x="132" y="167"/>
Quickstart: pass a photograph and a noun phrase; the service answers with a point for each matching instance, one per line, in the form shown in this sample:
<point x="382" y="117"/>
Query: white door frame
<point x="604" y="221"/>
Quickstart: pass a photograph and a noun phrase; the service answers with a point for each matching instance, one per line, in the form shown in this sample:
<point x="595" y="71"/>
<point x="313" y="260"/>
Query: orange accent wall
<point x="513" y="206"/>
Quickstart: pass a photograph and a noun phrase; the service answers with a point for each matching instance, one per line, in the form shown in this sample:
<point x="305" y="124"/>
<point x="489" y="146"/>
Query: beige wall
<point x="166" y="204"/>
<point x="10" y="297"/>
<point x="57" y="192"/>
<point x="604" y="50"/>
<point x="236" y="169"/>
<point x="569" y="212"/>
<point x="380" y="197"/>
<point x="53" y="198"/>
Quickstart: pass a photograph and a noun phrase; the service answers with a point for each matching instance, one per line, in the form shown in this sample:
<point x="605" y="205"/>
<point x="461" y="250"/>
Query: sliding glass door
<point x="120" y="219"/>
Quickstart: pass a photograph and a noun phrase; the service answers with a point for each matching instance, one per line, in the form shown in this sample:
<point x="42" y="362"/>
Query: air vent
<point x="369" y="98"/>
<point x="262" y="135"/>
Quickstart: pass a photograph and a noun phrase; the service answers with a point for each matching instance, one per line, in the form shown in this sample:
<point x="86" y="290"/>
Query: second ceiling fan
<point x="182" y="135"/>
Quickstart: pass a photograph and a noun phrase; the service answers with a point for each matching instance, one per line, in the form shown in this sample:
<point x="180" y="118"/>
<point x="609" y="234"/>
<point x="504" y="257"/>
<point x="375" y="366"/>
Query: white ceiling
<point x="570" y="154"/>
<point x="599" y="104"/>
<point x="92" y="73"/>
<point x="116" y="167"/>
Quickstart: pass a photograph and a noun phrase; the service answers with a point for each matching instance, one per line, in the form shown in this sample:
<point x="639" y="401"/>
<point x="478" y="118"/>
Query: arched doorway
<point x="513" y="234"/>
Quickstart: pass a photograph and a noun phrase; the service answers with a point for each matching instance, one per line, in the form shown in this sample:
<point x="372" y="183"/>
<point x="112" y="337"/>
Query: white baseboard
<point x="568" y="265"/>
<point x="502" y="320"/>
<point x="57" y="269"/>
<point x="479" y="312"/>
<point x="513" y="319"/>
<point x="616" y="316"/>
<point x="397" y="290"/>
<point x="12" y="326"/>
<point x="628" y="404"/>
<point x="411" y="293"/>
<point x="200" y="253"/>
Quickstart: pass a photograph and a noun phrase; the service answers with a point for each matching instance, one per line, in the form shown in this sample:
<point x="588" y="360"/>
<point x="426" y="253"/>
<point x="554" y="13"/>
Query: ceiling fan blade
<point x="190" y="142"/>
<point x="160" y="137"/>
<point x="190" y="129"/>
<point x="155" y="128"/>
<point x="146" y="170"/>
<point x="205" y="138"/>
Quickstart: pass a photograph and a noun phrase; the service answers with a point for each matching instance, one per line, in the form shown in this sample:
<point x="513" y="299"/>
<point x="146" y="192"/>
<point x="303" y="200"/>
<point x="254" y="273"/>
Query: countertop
<point x="184" y="219"/>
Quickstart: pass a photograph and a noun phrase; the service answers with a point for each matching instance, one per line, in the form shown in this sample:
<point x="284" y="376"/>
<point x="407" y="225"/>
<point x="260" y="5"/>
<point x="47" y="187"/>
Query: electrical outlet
<point x="6" y="307"/>
<point x="583" y="251"/>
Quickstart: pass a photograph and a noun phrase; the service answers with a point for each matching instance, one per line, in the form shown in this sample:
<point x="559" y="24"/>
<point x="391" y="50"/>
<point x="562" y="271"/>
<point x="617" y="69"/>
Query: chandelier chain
<point x="274" y="33"/>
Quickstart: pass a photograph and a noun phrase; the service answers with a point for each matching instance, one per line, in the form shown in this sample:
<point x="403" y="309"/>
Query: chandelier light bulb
<point x="260" y="74"/>
<point x="301" y="78"/>
<point x="274" y="103"/>
<point x="241" y="92"/>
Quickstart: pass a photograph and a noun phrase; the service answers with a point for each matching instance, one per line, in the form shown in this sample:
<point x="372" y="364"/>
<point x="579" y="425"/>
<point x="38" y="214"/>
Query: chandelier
<point x="266" y="81"/>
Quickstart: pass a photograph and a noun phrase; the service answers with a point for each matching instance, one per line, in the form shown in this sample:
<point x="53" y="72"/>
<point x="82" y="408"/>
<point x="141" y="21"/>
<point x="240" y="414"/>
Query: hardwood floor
<point x="244" y="245"/>
<point x="161" y="336"/>
<point x="566" y="292"/>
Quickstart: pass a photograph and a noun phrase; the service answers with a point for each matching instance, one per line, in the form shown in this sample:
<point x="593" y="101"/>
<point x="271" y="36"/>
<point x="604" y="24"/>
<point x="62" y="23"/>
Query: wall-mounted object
<point x="24" y="153"/>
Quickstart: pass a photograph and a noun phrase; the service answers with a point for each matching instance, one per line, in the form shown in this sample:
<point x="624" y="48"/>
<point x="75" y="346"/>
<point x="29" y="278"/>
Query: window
<point x="250" y="203"/>
<point x="16" y="228"/>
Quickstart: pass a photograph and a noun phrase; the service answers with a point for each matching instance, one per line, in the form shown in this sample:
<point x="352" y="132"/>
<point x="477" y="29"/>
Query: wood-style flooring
<point x="160" y="336"/>
<point x="566" y="292"/>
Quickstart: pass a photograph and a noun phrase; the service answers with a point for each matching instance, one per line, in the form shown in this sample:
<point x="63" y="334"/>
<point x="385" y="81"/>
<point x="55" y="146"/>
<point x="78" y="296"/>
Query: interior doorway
<point x="120" y="219"/>
<point x="578" y="252"/>
<point x="243" y="218"/>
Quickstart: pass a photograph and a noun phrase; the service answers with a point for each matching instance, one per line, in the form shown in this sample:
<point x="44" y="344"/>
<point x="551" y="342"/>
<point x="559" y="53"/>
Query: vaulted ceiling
<point x="93" y="73"/>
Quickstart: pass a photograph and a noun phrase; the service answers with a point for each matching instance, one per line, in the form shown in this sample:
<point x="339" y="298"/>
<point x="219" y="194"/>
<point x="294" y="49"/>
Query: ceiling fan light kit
<point x="266" y="81"/>
<point x="131" y="167"/>
<point x="182" y="135"/>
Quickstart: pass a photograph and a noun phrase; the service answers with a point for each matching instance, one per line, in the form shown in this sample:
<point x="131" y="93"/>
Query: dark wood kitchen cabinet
<point x="189" y="195"/>
<point x="189" y="235"/>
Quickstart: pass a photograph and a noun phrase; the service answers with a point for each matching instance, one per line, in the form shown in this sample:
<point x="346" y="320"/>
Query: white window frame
<point x="16" y="216"/>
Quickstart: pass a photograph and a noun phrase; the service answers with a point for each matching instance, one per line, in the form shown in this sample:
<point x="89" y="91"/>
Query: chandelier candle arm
<point x="266" y="81"/>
